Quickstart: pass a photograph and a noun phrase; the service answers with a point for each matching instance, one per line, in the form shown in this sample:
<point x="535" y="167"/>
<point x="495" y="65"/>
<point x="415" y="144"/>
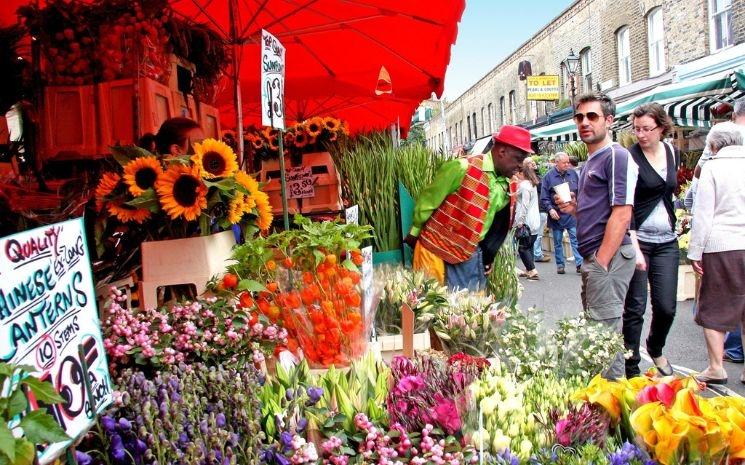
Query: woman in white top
<point x="526" y="213"/>
<point x="717" y="245"/>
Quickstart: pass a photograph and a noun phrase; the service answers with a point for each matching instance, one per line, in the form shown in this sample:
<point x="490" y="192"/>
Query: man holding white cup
<point x="561" y="180"/>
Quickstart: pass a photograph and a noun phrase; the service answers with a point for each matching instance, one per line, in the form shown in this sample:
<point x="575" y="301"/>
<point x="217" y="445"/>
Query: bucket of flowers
<point x="470" y="323"/>
<point x="307" y="279"/>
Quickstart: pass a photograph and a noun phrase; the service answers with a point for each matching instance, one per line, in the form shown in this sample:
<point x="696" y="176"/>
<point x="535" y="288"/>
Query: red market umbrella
<point x="335" y="51"/>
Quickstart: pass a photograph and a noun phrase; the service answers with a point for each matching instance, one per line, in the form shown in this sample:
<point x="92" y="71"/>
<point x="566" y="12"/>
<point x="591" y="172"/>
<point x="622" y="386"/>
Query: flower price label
<point x="48" y="309"/>
<point x="272" y="81"/>
<point x="300" y="183"/>
<point x="352" y="214"/>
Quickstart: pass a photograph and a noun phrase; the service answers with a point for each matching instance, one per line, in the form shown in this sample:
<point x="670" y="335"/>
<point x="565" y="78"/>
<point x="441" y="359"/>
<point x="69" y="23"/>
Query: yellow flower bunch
<point x="670" y="420"/>
<point x="205" y="187"/>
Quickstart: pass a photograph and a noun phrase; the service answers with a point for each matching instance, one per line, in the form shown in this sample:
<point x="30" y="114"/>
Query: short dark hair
<point x="173" y="131"/>
<point x="147" y="140"/>
<point x="657" y="113"/>
<point x="606" y="103"/>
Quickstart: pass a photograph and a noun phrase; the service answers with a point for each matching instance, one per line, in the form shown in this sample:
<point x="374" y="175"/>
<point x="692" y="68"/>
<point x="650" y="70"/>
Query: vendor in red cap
<point x="462" y="218"/>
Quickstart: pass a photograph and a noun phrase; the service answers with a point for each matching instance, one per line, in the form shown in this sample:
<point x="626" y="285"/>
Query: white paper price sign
<point x="272" y="81"/>
<point x="48" y="309"/>
<point x="367" y="278"/>
<point x="300" y="183"/>
<point x="352" y="214"/>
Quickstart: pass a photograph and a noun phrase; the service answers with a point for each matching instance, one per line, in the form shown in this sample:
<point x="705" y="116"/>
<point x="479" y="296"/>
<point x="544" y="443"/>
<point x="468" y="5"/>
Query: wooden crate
<point x="117" y="110"/>
<point x="270" y="174"/>
<point x="69" y="122"/>
<point x="325" y="183"/>
<point x="209" y="119"/>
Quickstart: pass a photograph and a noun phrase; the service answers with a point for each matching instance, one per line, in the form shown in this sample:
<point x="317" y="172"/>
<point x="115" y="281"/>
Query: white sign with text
<point x="48" y="309"/>
<point x="272" y="81"/>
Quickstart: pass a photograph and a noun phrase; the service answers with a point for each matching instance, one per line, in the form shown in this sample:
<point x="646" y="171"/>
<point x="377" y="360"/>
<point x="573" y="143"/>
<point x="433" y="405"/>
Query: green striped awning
<point x="688" y="103"/>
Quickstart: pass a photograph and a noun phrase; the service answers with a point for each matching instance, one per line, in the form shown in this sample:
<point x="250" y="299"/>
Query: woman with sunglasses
<point x="653" y="229"/>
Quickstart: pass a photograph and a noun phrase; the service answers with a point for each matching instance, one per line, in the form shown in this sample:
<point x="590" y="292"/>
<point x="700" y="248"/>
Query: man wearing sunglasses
<point x="603" y="208"/>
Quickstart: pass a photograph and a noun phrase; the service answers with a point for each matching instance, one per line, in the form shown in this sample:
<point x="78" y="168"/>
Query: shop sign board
<point x="544" y="87"/>
<point x="47" y="310"/>
<point x="272" y="81"/>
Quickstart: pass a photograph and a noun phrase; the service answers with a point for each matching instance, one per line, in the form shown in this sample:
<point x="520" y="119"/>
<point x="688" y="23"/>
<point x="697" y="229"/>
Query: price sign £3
<point x="300" y="183"/>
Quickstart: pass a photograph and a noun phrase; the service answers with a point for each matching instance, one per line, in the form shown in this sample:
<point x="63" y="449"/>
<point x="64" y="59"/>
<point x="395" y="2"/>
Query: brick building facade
<point x="625" y="47"/>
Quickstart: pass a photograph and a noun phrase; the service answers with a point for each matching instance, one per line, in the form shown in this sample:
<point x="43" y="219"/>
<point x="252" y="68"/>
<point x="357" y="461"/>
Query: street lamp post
<point x="572" y="63"/>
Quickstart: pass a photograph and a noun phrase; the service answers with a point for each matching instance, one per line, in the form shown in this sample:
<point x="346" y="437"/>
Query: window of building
<point x="720" y="24"/>
<point x="502" y="120"/>
<point x="513" y="107"/>
<point x="585" y="63"/>
<point x="490" y="111"/>
<point x="483" y="121"/>
<point x="468" y="122"/>
<point x="624" y="56"/>
<point x="656" y="33"/>
<point x="475" y="131"/>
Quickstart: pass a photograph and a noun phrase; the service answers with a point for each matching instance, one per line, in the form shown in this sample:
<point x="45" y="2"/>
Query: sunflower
<point x="257" y="143"/>
<point x="314" y="126"/>
<point x="141" y="173"/>
<point x="273" y="143"/>
<point x="106" y="186"/>
<point x="236" y="208"/>
<point x="125" y="213"/>
<point x="182" y="192"/>
<point x="264" y="211"/>
<point x="331" y="124"/>
<point x="215" y="159"/>
<point x="301" y="139"/>
<point x="247" y="182"/>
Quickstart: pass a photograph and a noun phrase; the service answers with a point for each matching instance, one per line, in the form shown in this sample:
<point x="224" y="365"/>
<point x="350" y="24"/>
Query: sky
<point x="489" y="31"/>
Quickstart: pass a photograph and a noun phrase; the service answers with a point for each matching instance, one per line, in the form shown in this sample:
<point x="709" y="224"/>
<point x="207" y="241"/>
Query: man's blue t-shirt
<point x="608" y="179"/>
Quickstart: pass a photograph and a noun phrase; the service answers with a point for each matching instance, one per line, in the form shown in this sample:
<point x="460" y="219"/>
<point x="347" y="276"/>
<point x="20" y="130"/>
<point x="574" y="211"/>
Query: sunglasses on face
<point x="590" y="115"/>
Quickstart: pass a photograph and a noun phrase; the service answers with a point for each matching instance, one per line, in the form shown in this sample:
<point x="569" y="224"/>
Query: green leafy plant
<point x="577" y="149"/>
<point x="18" y="443"/>
<point x="502" y="283"/>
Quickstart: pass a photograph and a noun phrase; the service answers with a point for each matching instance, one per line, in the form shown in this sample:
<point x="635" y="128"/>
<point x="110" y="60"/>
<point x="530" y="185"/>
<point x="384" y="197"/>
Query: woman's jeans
<point x="662" y="273"/>
<point x="525" y="249"/>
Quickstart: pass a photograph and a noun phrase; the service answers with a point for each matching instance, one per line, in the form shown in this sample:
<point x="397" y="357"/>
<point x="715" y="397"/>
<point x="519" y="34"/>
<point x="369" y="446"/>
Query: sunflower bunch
<point x="206" y="187"/>
<point x="307" y="136"/>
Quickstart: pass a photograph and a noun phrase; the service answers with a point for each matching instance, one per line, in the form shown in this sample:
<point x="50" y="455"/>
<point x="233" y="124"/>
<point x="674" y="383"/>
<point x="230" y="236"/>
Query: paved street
<point x="559" y="296"/>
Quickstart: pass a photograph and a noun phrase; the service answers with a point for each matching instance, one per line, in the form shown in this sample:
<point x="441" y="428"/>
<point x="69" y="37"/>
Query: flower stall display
<point x="470" y="323"/>
<point x="179" y="196"/>
<point x="404" y="286"/>
<point x="208" y="330"/>
<point x="309" y="136"/>
<point x="307" y="279"/>
<point x="671" y="421"/>
<point x="184" y="414"/>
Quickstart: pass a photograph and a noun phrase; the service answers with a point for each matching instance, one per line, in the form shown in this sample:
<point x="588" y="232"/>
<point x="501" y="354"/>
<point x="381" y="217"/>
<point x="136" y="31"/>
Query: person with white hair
<point x="717" y="244"/>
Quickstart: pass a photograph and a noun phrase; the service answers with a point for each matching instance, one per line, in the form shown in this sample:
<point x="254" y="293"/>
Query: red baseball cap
<point x="515" y="136"/>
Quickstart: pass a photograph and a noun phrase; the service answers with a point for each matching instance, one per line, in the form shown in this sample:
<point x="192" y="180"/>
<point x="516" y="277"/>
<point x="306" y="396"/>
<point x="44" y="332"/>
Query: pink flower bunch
<point x="209" y="330"/>
<point x="385" y="448"/>
<point x="303" y="451"/>
<point x="427" y="389"/>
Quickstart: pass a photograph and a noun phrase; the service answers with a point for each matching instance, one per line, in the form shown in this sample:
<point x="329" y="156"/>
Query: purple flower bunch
<point x="209" y="330"/>
<point x="186" y="415"/>
<point x="428" y="390"/>
<point x="503" y="458"/>
<point x="630" y="454"/>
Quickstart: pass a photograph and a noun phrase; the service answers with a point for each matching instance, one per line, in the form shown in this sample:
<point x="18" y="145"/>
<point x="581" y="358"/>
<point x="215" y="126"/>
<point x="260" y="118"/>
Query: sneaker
<point x="579" y="268"/>
<point x="727" y="358"/>
<point x="544" y="259"/>
<point x="560" y="270"/>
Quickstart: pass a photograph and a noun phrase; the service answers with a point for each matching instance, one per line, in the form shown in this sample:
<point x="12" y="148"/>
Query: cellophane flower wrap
<point x="307" y="279"/>
<point x="404" y="286"/>
<point x="469" y="323"/>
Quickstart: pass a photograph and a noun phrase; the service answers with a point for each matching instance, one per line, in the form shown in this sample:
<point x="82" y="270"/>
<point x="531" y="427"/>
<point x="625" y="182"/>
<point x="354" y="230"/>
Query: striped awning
<point x="688" y="103"/>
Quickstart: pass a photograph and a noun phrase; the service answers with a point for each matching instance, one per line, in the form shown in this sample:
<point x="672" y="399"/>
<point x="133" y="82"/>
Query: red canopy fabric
<point x="335" y="50"/>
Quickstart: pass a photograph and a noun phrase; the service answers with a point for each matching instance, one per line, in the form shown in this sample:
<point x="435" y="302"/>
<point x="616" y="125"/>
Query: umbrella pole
<point x="236" y="81"/>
